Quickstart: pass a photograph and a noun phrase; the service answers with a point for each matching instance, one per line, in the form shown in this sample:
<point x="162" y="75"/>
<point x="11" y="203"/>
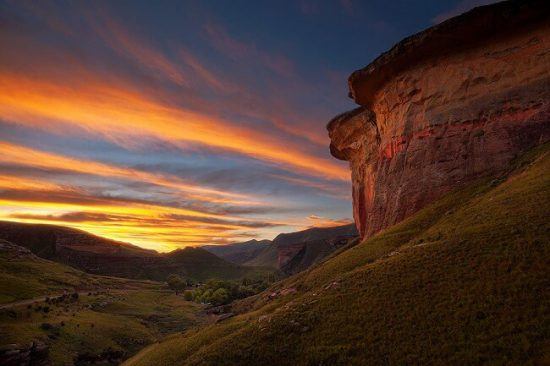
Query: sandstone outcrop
<point x="444" y="107"/>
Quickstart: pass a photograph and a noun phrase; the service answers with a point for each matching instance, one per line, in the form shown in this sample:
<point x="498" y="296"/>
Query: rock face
<point x="299" y="250"/>
<point x="295" y="252"/>
<point x="239" y="253"/>
<point x="444" y="107"/>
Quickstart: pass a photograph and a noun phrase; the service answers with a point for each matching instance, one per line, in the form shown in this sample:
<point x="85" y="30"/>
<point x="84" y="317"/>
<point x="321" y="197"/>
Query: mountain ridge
<point x="97" y="255"/>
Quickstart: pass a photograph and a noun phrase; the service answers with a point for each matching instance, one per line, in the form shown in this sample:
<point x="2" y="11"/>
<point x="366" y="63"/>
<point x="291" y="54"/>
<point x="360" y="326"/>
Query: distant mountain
<point x="239" y="252"/>
<point x="294" y="252"/>
<point x="98" y="255"/>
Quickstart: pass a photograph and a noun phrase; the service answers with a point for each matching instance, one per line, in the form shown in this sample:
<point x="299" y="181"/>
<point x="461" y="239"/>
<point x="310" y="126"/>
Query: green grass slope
<point x="112" y="317"/>
<point x="25" y="276"/>
<point x="101" y="327"/>
<point x="464" y="281"/>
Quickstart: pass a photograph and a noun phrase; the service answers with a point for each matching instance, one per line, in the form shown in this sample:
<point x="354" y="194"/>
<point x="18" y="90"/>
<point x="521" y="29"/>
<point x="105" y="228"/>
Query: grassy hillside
<point x="464" y="281"/>
<point x="25" y="276"/>
<point x="104" y="327"/>
<point x="201" y="265"/>
<point x="265" y="258"/>
<point x="109" y="320"/>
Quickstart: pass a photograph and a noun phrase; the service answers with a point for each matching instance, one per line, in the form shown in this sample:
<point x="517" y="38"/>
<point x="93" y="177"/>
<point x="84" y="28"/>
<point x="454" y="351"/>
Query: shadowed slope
<point x="97" y="255"/>
<point x="239" y="253"/>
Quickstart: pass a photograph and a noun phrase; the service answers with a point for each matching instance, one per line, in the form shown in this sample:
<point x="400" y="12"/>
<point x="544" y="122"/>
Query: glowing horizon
<point x="109" y="130"/>
<point x="168" y="125"/>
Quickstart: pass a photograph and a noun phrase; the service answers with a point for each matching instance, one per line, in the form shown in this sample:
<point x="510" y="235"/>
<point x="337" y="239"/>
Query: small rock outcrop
<point x="444" y="107"/>
<point x="33" y="354"/>
<point x="12" y="251"/>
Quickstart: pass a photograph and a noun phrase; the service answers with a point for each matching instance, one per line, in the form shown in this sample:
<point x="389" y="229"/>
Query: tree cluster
<point x="218" y="292"/>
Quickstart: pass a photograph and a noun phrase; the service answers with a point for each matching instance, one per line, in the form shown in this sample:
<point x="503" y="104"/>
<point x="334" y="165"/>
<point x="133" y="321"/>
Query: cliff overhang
<point x="467" y="31"/>
<point x="444" y="107"/>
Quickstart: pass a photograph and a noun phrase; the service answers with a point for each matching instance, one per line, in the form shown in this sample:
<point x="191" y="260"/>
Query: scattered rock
<point x="224" y="316"/>
<point x="34" y="354"/>
<point x="283" y="292"/>
<point x="332" y="285"/>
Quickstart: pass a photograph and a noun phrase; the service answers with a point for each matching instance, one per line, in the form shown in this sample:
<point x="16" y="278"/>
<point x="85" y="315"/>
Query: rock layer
<point x="474" y="95"/>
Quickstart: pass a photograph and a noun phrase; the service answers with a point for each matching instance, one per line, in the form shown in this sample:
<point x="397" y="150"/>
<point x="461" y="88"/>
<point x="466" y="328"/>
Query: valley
<point x="463" y="280"/>
<point x="420" y="236"/>
<point x="61" y="303"/>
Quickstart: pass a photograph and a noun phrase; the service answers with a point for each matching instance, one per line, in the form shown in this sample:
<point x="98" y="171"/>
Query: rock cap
<point x="454" y="35"/>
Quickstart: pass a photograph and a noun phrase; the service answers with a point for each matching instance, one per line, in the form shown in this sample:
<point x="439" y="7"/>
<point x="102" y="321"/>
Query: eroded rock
<point x="473" y="95"/>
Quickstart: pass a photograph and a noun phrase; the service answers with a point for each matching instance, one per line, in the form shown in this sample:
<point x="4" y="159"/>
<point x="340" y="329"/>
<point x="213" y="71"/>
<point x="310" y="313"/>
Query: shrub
<point x="188" y="295"/>
<point x="176" y="283"/>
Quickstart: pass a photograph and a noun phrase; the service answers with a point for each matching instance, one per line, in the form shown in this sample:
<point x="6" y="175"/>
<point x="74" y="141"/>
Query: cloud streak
<point x="164" y="140"/>
<point x="123" y="116"/>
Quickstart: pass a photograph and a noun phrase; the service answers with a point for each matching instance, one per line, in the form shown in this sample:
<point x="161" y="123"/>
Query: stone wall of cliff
<point x="475" y="94"/>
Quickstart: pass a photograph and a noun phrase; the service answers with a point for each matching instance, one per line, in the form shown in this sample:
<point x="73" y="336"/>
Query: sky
<point x="183" y="123"/>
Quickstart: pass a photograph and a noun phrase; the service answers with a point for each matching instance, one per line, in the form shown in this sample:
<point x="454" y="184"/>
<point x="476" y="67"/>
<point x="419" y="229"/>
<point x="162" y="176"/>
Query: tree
<point x="188" y="295"/>
<point x="176" y="283"/>
<point x="219" y="297"/>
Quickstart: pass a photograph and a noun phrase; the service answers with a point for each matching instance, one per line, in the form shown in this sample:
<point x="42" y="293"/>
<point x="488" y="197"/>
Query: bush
<point x="176" y="283"/>
<point x="219" y="297"/>
<point x="188" y="295"/>
<point x="217" y="292"/>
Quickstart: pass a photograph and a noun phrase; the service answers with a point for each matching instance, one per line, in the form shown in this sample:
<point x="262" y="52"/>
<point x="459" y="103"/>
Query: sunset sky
<point x="169" y="124"/>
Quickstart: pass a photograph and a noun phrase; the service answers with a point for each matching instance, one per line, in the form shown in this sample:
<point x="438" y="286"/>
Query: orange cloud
<point x="122" y="115"/>
<point x="318" y="221"/>
<point x="20" y="155"/>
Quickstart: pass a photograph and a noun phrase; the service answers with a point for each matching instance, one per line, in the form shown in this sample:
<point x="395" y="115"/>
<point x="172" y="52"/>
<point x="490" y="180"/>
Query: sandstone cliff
<point x="448" y="105"/>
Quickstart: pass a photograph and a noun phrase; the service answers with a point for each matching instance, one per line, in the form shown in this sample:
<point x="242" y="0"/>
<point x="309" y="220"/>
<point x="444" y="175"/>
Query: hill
<point x="25" y="276"/>
<point x="97" y="255"/>
<point x="462" y="281"/>
<point x="51" y="313"/>
<point x="293" y="252"/>
<point x="239" y="253"/>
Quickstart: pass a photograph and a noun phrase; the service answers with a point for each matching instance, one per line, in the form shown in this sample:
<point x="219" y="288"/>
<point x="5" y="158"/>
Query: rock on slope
<point x="443" y="107"/>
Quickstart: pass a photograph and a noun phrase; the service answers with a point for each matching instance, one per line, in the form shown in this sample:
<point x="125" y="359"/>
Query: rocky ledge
<point x="444" y="107"/>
